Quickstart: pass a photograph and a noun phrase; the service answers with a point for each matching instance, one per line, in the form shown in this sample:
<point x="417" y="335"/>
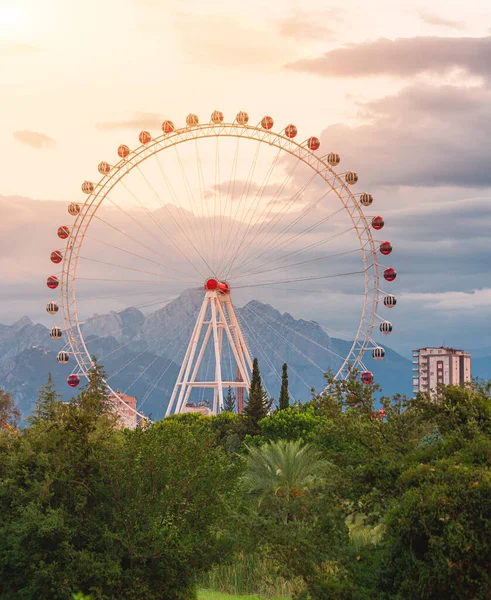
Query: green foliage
<point x="335" y="499"/>
<point x="213" y="595"/>
<point x="258" y="404"/>
<point x="116" y="514"/>
<point x="229" y="404"/>
<point x="295" y="517"/>
<point x="47" y="405"/>
<point x="249" y="574"/>
<point x="438" y="533"/>
<point x="9" y="413"/>
<point x="280" y="471"/>
<point x="292" y="423"/>
<point x="284" y="401"/>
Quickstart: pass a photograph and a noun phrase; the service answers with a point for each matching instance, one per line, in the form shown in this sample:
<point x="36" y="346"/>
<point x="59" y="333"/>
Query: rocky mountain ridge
<point x="142" y="353"/>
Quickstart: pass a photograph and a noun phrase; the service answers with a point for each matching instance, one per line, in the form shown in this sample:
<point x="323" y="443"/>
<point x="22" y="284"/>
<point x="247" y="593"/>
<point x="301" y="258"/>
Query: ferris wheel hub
<point x="213" y="284"/>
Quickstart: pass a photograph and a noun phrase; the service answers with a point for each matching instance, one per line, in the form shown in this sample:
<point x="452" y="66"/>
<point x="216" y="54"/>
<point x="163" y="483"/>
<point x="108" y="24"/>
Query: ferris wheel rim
<point x="165" y="141"/>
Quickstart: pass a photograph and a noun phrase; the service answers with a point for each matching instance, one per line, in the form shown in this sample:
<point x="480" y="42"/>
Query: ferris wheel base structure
<point x="216" y="323"/>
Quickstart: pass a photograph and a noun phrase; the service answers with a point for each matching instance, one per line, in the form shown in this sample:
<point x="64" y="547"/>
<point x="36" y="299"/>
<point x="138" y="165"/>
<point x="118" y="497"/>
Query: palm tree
<point x="281" y="471"/>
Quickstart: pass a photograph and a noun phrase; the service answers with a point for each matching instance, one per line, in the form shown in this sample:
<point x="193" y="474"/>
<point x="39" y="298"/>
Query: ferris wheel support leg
<point x="218" y="368"/>
<point x="235" y="345"/>
<point x="198" y="364"/>
<point x="188" y="359"/>
<point x="240" y="336"/>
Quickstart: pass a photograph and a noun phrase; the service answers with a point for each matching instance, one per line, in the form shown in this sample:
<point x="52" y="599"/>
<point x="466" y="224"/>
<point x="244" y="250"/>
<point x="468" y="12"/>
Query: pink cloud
<point x="14" y="48"/>
<point x="34" y="139"/>
<point x="137" y="121"/>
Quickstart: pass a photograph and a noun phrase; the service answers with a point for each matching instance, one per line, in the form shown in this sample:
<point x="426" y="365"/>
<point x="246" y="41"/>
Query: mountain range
<point x="142" y="353"/>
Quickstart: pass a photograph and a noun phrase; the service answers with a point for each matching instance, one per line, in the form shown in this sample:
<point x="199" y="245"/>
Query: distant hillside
<point x="142" y="354"/>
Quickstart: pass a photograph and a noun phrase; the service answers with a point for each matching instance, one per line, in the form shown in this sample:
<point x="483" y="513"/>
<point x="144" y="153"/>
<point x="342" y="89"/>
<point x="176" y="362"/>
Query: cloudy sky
<point x="402" y="91"/>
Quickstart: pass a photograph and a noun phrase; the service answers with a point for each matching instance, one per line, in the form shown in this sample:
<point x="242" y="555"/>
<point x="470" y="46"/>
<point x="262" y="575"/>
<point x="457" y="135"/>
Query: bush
<point x="438" y="534"/>
<point x="133" y="514"/>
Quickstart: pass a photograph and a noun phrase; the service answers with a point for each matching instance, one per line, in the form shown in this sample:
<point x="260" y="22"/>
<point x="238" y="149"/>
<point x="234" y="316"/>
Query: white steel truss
<point x="216" y="319"/>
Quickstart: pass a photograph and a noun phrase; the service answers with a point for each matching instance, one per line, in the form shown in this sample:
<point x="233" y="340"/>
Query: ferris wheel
<point x="251" y="217"/>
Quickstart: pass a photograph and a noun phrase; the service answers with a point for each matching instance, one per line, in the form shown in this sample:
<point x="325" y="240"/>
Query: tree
<point x="115" y="514"/>
<point x="437" y="539"/>
<point x="296" y="518"/>
<point x="229" y="404"/>
<point x="9" y="413"/>
<point x="284" y="396"/>
<point x="293" y="423"/>
<point x="94" y="396"/>
<point x="258" y="403"/>
<point x="282" y="470"/>
<point x="47" y="403"/>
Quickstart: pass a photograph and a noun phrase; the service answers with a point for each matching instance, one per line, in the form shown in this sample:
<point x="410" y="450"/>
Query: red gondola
<point x="313" y="143"/>
<point x="367" y="377"/>
<point x="385" y="248"/>
<point x="145" y="137"/>
<point x="56" y="257"/>
<point x="390" y="274"/>
<point x="123" y="151"/>
<point x="168" y="127"/>
<point x="52" y="282"/>
<point x="290" y="131"/>
<point x="267" y="122"/>
<point x="378" y="223"/>
<point x="63" y="232"/>
<point x="73" y="380"/>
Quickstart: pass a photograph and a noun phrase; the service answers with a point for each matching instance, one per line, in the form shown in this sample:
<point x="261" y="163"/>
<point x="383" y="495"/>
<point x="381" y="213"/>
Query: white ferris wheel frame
<point x="336" y="181"/>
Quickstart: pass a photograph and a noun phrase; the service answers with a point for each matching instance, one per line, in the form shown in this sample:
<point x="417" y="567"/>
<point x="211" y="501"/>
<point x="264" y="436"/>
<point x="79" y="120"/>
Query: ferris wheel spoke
<point x="207" y="223"/>
<point x="317" y="291"/>
<point x="301" y="279"/>
<point x="160" y="281"/>
<point x="264" y="356"/>
<point x="271" y="204"/>
<point x="217" y="237"/>
<point x="157" y="381"/>
<point x="183" y="212"/>
<point x="176" y="351"/>
<point x="266" y="226"/>
<point x="265" y="230"/>
<point x="133" y="323"/>
<point x="86" y="298"/>
<point x="159" y="355"/>
<point x="314" y="245"/>
<point x="136" y="357"/>
<point x="241" y="204"/>
<point x="300" y="251"/>
<point x="140" y="256"/>
<point x="175" y="243"/>
<point x="261" y="343"/>
<point x="127" y="235"/>
<point x="157" y="222"/>
<point x="281" y="245"/>
<point x="118" y="266"/>
<point x="253" y="206"/>
<point x="129" y="215"/>
<point x="302" y="263"/>
<point x="230" y="195"/>
<point x="291" y="344"/>
<point x="302" y="335"/>
<point x="194" y="209"/>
